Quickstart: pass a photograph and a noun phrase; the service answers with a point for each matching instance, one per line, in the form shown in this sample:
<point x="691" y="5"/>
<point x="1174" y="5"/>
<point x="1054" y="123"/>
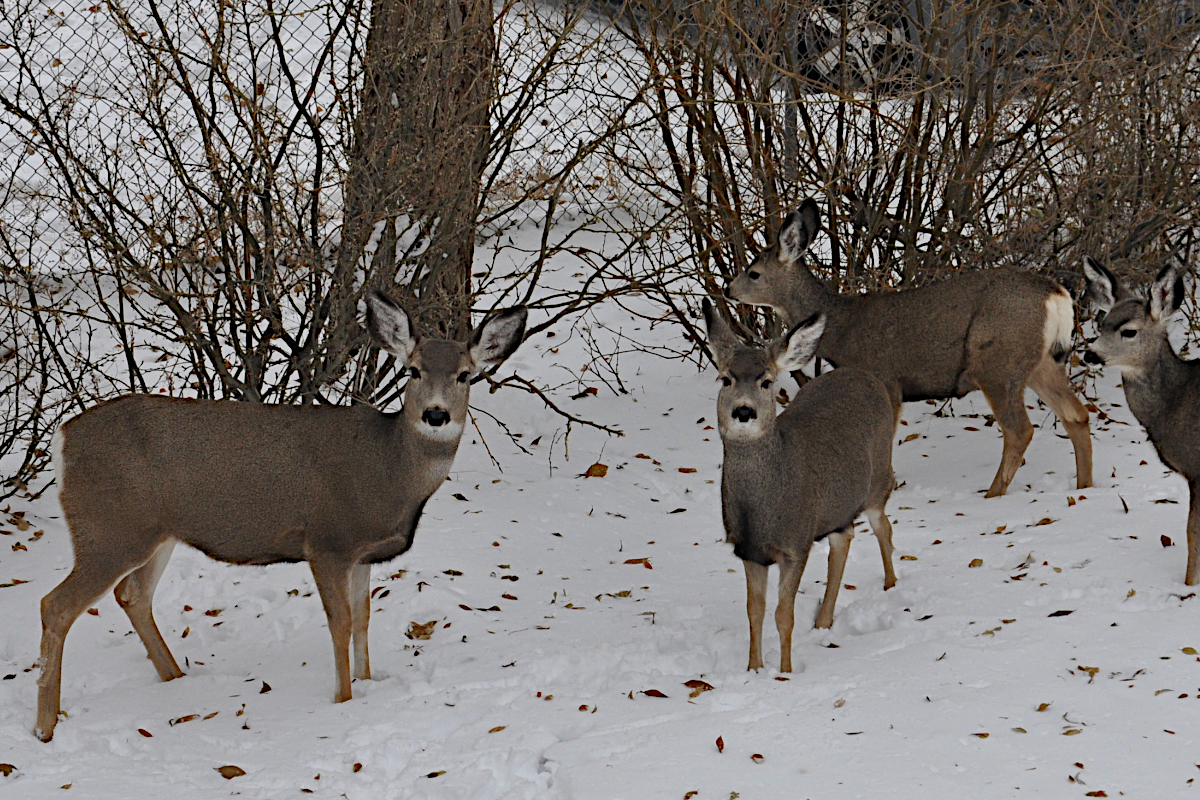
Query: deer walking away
<point x="339" y="487"/>
<point x="998" y="330"/>
<point x="791" y="480"/>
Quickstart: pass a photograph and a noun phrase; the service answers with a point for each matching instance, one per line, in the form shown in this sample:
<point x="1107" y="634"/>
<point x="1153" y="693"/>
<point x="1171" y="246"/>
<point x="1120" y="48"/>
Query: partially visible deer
<point x="996" y="330"/>
<point x="1162" y="389"/>
<point x="791" y="480"/>
<point x="339" y="487"/>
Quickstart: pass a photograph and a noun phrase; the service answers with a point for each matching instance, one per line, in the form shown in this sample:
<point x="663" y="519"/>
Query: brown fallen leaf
<point x="981" y="735"/>
<point x="645" y="562"/>
<point x="653" y="693"/>
<point x="1043" y="706"/>
<point x="1189" y="651"/>
<point x="720" y="745"/>
<point x="691" y="794"/>
<point x="229" y="771"/>
<point x="975" y="562"/>
<point x="213" y="612"/>
<point x="145" y="733"/>
<point x="213" y="714"/>
<point x="1072" y="732"/>
<point x="757" y="758"/>
<point x="1070" y="501"/>
<point x="643" y="455"/>
<point x="459" y="496"/>
<point x="1061" y="613"/>
<point x="464" y="607"/>
<point x="357" y="767"/>
<point x="95" y="612"/>
<point x="181" y="720"/>
<point x="1165" y="540"/>
<point x="698" y="687"/>
<point x="1043" y="521"/>
<point x="497" y="729"/>
<point x="596" y="470"/>
<point x="435" y="774"/>
<point x="910" y="437"/>
<point x="266" y="687"/>
<point x="908" y="558"/>
<point x="687" y="470"/>
<point x="509" y="596"/>
<point x="1097" y="793"/>
<point x="419" y="631"/>
<point x="7" y="769"/>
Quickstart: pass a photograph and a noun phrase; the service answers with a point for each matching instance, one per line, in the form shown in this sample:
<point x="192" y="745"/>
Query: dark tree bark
<point x="420" y="144"/>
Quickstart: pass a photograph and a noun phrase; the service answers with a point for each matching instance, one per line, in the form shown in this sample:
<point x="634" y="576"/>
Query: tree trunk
<point x="420" y="144"/>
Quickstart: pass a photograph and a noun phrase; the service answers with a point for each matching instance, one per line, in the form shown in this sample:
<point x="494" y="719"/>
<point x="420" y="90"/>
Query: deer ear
<point x="389" y="326"/>
<point x="797" y="348"/>
<point x="798" y="231"/>
<point x="1166" y="293"/>
<point x="498" y="338"/>
<point x="1104" y="288"/>
<point x="721" y="339"/>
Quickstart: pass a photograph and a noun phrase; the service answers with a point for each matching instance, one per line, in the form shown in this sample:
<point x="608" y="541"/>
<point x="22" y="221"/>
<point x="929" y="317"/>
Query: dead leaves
<point x="229" y="771"/>
<point x="975" y="563"/>
<point x="645" y="562"/>
<point x="910" y="437"/>
<point x="497" y="729"/>
<point x="1165" y="540"/>
<point x="596" y="470"/>
<point x="418" y="631"/>
<point x="720" y="745"/>
<point x="1061" y="613"/>
<point x="698" y="687"/>
<point x="7" y="769"/>
<point x="653" y="693"/>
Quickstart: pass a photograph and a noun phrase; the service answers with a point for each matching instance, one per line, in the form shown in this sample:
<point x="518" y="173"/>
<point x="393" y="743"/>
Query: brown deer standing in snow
<point x="1162" y="389"/>
<point x="995" y="330"/>
<point x="791" y="480"/>
<point x="339" y="487"/>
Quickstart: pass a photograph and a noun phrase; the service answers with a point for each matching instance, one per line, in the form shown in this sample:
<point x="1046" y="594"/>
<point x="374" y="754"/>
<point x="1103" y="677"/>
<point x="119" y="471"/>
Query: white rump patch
<point x="1060" y="322"/>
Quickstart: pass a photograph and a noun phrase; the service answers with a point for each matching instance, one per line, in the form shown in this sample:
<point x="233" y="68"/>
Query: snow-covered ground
<point x="566" y="605"/>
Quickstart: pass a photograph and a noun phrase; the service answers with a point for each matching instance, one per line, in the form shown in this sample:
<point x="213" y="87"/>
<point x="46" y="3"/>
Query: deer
<point x="1163" y="390"/>
<point x="341" y="487"/>
<point x="790" y="480"/>
<point x="996" y="330"/>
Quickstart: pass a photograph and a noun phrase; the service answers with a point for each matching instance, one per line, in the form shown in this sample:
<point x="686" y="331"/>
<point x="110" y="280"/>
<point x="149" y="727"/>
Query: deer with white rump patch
<point x="339" y="487"/>
<point x="996" y="330"/>
<point x="791" y="480"/>
<point x="1163" y="390"/>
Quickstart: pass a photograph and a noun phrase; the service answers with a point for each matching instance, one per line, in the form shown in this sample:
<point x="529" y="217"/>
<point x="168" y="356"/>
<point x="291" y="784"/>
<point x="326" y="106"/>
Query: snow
<point x="545" y="697"/>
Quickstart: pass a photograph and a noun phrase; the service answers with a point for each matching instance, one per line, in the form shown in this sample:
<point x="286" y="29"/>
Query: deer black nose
<point x="744" y="414"/>
<point x="1091" y="357"/>
<point x="436" y="417"/>
<point x="727" y="294"/>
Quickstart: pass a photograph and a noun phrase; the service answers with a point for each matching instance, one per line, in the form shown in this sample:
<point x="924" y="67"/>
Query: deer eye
<point x="725" y="381"/>
<point x="462" y="377"/>
<point x="754" y="275"/>
<point x="766" y="384"/>
<point x="1128" y="333"/>
<point x="414" y="373"/>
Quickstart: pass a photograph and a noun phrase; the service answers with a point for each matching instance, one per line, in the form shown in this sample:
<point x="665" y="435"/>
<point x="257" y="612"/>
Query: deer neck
<point x="1152" y="390"/>
<point x="805" y="296"/>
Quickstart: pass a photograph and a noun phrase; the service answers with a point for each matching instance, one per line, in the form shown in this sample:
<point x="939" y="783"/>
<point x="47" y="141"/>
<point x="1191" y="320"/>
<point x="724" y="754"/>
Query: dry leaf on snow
<point x="419" y="631"/>
<point x="229" y="771"/>
<point x="698" y="687"/>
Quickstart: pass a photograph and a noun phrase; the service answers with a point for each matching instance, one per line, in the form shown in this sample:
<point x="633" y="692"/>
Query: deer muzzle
<point x="436" y="417"/>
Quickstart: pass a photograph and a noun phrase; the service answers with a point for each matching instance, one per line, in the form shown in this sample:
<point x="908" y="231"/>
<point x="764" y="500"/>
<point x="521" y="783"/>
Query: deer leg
<point x="1008" y="405"/>
<point x="90" y="578"/>
<point x="881" y="526"/>
<point x="332" y="575"/>
<point x="756" y="608"/>
<point x="1192" y="577"/>
<point x="1050" y="382"/>
<point x="135" y="594"/>
<point x="360" y="617"/>
<point x="839" y="548"/>
<point x="790" y="572"/>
